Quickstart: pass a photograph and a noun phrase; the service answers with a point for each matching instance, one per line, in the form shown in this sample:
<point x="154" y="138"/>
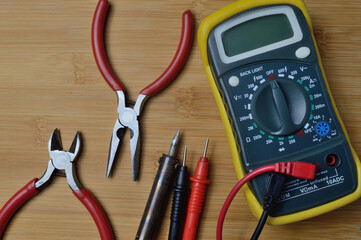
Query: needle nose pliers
<point x="128" y="117"/>
<point x="63" y="161"/>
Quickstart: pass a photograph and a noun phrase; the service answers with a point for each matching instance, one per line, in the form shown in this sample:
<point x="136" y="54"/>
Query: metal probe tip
<point x="184" y="155"/>
<point x="205" y="148"/>
<point x="173" y="146"/>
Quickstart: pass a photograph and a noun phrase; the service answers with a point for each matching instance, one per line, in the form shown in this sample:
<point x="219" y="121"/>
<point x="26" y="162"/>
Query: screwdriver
<point x="196" y="200"/>
<point x="158" y="194"/>
<point x="179" y="201"/>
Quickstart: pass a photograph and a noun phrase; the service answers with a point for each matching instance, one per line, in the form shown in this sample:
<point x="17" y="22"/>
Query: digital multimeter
<point x="265" y="71"/>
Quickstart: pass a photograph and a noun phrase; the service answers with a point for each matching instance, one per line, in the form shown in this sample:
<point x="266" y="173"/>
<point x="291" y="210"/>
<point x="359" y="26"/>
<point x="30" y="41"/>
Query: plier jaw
<point x="61" y="160"/>
<point x="128" y="118"/>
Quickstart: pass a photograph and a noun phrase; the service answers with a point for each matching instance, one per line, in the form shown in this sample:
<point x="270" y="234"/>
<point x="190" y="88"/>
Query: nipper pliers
<point x="63" y="161"/>
<point x="128" y="117"/>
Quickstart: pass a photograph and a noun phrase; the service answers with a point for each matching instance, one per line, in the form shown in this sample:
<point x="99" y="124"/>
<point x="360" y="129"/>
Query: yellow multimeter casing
<point x="271" y="90"/>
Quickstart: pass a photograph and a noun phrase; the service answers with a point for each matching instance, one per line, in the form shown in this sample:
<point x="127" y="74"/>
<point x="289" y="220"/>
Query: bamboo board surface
<point x="49" y="79"/>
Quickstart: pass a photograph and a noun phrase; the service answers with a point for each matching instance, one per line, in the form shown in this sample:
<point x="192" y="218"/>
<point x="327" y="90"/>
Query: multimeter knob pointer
<point x="281" y="107"/>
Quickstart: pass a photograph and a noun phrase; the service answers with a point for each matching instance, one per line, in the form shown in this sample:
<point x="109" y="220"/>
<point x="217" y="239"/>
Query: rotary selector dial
<point x="278" y="108"/>
<point x="281" y="107"/>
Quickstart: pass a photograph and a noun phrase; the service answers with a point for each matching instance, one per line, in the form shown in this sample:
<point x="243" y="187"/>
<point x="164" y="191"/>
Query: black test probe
<point x="179" y="201"/>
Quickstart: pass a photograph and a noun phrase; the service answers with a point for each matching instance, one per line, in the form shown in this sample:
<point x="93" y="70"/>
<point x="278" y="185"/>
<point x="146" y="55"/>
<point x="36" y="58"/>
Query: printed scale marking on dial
<point x="280" y="107"/>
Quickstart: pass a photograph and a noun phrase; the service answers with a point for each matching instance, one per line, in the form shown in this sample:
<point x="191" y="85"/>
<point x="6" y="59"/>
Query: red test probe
<point x="196" y="200"/>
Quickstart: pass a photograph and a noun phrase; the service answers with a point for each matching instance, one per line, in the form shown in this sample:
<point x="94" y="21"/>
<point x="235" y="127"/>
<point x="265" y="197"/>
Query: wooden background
<point x="49" y="79"/>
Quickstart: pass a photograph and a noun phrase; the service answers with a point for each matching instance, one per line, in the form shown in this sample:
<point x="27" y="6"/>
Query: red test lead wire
<point x="196" y="200"/>
<point x="302" y="170"/>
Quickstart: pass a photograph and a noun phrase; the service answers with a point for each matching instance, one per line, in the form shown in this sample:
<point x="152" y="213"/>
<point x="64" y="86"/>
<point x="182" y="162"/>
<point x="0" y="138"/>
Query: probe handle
<point x="178" y="204"/>
<point x="15" y="202"/>
<point x="196" y="199"/>
<point x="157" y="198"/>
<point x="179" y="58"/>
<point x="98" y="46"/>
<point x="97" y="212"/>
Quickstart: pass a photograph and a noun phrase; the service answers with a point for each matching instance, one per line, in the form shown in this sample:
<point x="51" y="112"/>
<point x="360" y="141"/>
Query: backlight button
<point x="233" y="81"/>
<point x="302" y="52"/>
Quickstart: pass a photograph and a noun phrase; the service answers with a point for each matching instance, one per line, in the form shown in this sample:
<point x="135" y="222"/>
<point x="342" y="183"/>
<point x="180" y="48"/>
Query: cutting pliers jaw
<point x="61" y="161"/>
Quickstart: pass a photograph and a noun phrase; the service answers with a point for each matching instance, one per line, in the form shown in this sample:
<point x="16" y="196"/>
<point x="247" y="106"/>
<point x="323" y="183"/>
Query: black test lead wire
<point x="179" y="201"/>
<point x="273" y="191"/>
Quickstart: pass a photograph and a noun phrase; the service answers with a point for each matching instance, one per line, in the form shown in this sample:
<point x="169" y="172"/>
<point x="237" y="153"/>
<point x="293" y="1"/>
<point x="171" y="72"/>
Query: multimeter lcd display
<point x="256" y="33"/>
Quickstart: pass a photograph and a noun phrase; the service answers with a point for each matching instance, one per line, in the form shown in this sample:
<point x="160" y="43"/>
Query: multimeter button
<point x="233" y="81"/>
<point x="303" y="52"/>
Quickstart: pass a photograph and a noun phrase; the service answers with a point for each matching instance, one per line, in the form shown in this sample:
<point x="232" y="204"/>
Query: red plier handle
<point x="29" y="190"/>
<point x="169" y="74"/>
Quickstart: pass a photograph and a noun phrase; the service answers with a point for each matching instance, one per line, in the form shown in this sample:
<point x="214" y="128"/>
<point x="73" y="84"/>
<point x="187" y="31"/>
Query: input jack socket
<point x="332" y="160"/>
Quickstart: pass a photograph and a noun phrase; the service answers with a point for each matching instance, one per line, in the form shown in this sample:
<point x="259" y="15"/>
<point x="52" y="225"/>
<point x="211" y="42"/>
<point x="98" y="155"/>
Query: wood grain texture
<point x="49" y="79"/>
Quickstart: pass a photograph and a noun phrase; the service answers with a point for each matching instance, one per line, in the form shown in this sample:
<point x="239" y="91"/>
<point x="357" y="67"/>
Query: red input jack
<point x="332" y="160"/>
